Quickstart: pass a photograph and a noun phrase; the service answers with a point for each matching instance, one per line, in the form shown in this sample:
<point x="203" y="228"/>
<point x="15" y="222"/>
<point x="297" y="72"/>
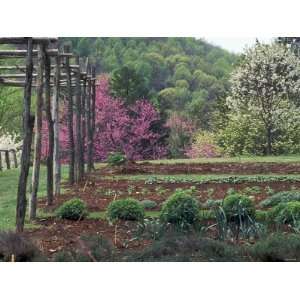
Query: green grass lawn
<point x="8" y="192"/>
<point x="275" y="159"/>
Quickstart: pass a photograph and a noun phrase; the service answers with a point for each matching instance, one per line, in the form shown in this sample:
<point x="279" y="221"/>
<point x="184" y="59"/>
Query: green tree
<point x="266" y="82"/>
<point x="125" y="83"/>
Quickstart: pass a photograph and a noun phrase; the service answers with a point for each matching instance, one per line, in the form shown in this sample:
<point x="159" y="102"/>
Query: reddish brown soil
<point x="55" y="235"/>
<point x="206" y="168"/>
<point x="99" y="193"/>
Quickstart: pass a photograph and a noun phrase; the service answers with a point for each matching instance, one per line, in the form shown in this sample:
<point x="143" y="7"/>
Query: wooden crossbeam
<point x="14" y="83"/>
<point x="23" y="75"/>
<point x="20" y="67"/>
<point x="24" y="40"/>
<point x="23" y="53"/>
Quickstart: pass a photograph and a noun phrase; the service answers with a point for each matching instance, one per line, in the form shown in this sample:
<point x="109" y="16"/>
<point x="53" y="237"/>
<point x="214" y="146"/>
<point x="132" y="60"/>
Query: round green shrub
<point x="116" y="159"/>
<point x="180" y="209"/>
<point x="125" y="209"/>
<point x="148" y="204"/>
<point x="74" y="209"/>
<point x="281" y="197"/>
<point x="285" y="213"/>
<point x="238" y="205"/>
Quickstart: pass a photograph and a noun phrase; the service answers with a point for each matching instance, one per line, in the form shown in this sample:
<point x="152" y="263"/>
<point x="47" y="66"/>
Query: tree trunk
<point x="55" y="107"/>
<point x="50" y="131"/>
<point x="78" y="146"/>
<point x="83" y="125"/>
<point x="7" y="160"/>
<point x="269" y="141"/>
<point x="38" y="133"/>
<point x="28" y="122"/>
<point x="1" y="167"/>
<point x="70" y="119"/>
<point x="93" y="112"/>
<point x="89" y="127"/>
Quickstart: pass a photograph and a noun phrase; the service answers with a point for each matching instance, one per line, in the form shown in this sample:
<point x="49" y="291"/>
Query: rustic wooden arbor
<point x="7" y="160"/>
<point x="49" y="70"/>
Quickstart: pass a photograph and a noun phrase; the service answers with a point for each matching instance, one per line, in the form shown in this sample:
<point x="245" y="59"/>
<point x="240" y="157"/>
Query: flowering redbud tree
<point x="130" y="130"/>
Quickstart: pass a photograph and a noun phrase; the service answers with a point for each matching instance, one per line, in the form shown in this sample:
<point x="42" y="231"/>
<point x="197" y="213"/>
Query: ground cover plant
<point x="125" y="209"/>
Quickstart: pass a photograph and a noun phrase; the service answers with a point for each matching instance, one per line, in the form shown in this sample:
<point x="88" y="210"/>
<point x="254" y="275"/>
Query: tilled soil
<point x="206" y="168"/>
<point x="98" y="194"/>
<point x="55" y="235"/>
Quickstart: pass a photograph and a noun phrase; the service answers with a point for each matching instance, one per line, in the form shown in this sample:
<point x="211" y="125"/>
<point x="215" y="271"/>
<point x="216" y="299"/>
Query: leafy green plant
<point x="152" y="229"/>
<point x="74" y="209"/>
<point x="286" y="213"/>
<point x="238" y="205"/>
<point x="269" y="190"/>
<point x="261" y="215"/>
<point x="125" y="209"/>
<point x="210" y="192"/>
<point x="230" y="191"/>
<point x="116" y="159"/>
<point x="148" y="204"/>
<point x="252" y="190"/>
<point x="160" y="190"/>
<point x="237" y="215"/>
<point x="281" y="197"/>
<point x="212" y="203"/>
<point x="180" y="209"/>
<point x="130" y="189"/>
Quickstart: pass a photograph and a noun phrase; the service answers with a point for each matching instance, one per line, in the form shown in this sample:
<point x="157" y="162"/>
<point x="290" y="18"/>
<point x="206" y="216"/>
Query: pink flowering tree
<point x="130" y="130"/>
<point x="204" y="145"/>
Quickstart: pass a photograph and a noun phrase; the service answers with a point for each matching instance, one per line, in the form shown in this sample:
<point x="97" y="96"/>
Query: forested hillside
<point x="186" y="75"/>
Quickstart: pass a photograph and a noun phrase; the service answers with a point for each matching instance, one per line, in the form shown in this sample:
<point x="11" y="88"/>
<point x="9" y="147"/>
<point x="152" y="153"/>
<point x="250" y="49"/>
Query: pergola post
<point x="78" y="120"/>
<point x="55" y="112"/>
<point x="70" y="119"/>
<point x="6" y="153"/>
<point x="28" y="122"/>
<point x="38" y="132"/>
<point x="49" y="158"/>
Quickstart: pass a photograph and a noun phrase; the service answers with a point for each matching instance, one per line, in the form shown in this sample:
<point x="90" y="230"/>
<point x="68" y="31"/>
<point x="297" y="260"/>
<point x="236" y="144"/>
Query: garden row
<point x="231" y="229"/>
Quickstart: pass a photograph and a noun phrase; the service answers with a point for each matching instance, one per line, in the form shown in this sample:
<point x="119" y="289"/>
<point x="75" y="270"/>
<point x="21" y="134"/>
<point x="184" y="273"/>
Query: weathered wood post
<point x="89" y="126"/>
<point x="7" y="161"/>
<point x="78" y="147"/>
<point x="83" y="127"/>
<point x="70" y="118"/>
<point x="38" y="132"/>
<point x="14" y="153"/>
<point x="28" y="122"/>
<point x="55" y="112"/>
<point x="50" y="130"/>
<point x="93" y="107"/>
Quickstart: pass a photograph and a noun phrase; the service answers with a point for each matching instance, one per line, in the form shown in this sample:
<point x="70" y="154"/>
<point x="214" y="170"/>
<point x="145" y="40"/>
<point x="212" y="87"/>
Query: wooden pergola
<point x="51" y="72"/>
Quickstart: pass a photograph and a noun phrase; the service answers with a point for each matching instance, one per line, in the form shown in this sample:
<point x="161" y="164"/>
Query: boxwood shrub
<point x="148" y="204"/>
<point x="125" y="209"/>
<point x="280" y="197"/>
<point x="285" y="213"/>
<point x="74" y="209"/>
<point x="181" y="209"/>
